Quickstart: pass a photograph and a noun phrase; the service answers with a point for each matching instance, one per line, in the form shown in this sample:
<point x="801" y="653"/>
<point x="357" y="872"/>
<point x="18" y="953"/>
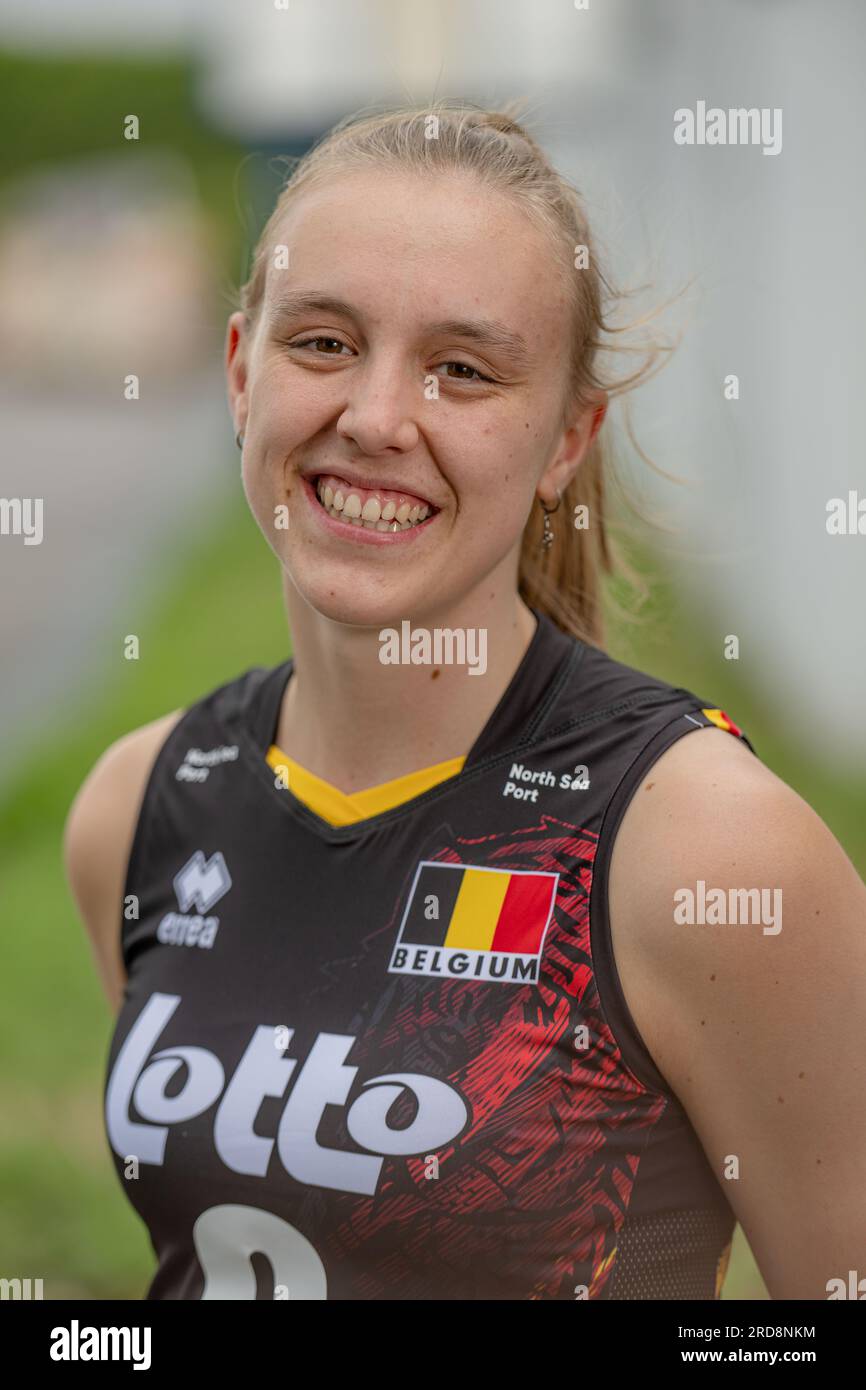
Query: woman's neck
<point x="356" y="720"/>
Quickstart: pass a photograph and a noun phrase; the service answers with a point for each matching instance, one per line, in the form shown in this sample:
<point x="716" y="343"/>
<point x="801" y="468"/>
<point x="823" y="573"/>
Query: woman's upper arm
<point x="97" y="841"/>
<point x="758" y="1024"/>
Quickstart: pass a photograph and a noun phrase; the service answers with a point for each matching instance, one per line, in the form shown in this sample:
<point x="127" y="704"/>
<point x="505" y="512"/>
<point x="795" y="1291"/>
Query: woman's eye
<point x="465" y="367"/>
<point x="334" y="343"/>
<point x="464" y="372"/>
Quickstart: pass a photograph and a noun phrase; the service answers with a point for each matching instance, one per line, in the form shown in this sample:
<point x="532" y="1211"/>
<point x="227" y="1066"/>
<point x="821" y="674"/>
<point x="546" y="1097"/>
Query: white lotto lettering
<point x="325" y="1078"/>
<point x="260" y="1072"/>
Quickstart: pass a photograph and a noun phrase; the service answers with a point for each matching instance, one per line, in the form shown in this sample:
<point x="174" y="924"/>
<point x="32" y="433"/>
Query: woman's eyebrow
<point x="485" y="332"/>
<point x="309" y="301"/>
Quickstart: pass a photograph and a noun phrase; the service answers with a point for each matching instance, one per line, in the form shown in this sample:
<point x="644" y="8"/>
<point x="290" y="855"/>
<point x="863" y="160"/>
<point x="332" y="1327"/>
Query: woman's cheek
<point x="259" y="491"/>
<point x="503" y="510"/>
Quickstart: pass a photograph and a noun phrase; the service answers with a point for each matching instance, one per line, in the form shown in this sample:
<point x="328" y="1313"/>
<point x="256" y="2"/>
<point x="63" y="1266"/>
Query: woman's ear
<point x="577" y="439"/>
<point x="236" y="366"/>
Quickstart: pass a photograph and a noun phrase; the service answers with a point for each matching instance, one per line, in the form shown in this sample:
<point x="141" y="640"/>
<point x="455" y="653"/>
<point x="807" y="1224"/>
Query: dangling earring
<point x="547" y="534"/>
<point x="239" y="439"/>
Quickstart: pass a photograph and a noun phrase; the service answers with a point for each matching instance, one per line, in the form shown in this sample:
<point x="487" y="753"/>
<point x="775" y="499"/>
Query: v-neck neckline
<point x="548" y="658"/>
<point x="346" y="808"/>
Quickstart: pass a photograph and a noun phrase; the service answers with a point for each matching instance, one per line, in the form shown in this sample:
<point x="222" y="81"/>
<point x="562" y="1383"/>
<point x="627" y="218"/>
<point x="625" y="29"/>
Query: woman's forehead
<point x="393" y="190"/>
<point x="451" y="243"/>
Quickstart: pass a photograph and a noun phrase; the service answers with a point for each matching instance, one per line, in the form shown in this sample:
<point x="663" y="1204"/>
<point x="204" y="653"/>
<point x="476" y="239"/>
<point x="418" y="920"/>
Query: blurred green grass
<point x="65" y="107"/>
<point x="63" y="1216"/>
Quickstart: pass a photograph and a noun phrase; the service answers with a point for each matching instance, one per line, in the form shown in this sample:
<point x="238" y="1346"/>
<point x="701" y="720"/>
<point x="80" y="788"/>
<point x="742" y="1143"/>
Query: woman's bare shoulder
<point x="737" y="920"/>
<point x="98" y="837"/>
<point x="723" y="881"/>
<point x="708" y="818"/>
<point x="700" y="813"/>
<point x="695" y="771"/>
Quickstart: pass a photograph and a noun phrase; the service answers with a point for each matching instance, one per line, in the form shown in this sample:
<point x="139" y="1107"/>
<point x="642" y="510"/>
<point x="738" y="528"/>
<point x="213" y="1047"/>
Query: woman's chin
<point x="349" y="603"/>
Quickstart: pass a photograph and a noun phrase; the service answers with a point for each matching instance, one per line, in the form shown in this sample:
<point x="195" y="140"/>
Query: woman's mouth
<point x="371" y="509"/>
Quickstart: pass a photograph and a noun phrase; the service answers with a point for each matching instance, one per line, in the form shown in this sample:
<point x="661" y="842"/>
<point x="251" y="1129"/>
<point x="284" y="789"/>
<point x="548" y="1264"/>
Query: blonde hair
<point x="565" y="581"/>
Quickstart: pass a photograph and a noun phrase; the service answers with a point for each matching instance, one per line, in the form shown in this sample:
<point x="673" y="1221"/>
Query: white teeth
<point x="369" y="525"/>
<point x="372" y="515"/>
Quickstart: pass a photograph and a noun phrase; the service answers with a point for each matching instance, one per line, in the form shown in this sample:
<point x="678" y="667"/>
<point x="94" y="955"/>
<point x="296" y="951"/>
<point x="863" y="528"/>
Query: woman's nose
<point x="381" y="411"/>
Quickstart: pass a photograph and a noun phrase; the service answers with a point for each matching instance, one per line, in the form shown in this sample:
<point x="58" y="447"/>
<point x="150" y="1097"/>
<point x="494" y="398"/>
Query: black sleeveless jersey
<point x="392" y="1059"/>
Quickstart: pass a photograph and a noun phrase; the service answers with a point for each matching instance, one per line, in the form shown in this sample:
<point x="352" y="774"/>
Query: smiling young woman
<point x="386" y="1028"/>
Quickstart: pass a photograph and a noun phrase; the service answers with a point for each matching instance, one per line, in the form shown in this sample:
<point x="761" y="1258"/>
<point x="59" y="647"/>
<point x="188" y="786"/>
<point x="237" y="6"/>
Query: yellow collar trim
<point x="341" y="808"/>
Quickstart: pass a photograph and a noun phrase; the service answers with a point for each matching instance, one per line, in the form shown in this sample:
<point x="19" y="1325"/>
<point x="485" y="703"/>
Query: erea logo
<point x="200" y="883"/>
<point x="478" y="923"/>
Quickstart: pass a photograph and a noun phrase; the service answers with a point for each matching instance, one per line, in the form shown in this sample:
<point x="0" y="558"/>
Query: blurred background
<point x="124" y="256"/>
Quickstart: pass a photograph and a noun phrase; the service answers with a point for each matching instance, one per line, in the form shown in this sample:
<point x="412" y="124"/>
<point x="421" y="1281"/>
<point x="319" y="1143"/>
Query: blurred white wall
<point x="774" y="244"/>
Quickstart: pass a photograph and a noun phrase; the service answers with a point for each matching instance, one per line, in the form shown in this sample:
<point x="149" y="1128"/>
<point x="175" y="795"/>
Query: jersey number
<point x="226" y="1238"/>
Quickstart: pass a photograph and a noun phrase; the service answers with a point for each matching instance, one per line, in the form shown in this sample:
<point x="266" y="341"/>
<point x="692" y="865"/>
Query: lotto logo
<point x="144" y="1079"/>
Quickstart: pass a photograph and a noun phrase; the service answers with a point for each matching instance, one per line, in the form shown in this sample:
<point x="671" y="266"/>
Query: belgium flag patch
<point x="475" y="923"/>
